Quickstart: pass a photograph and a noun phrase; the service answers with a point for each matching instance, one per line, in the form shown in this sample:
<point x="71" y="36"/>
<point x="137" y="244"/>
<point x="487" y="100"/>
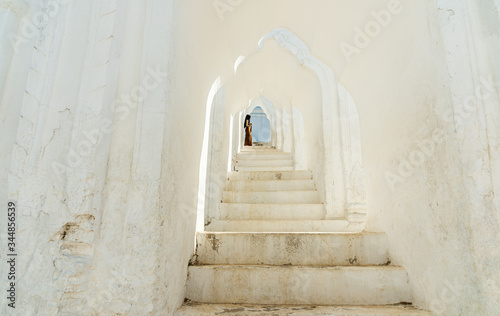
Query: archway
<point x="341" y="143"/>
<point x="340" y="174"/>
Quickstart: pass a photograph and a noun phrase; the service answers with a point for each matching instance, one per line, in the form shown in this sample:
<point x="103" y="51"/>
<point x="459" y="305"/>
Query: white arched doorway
<point x="341" y="180"/>
<point x="342" y="160"/>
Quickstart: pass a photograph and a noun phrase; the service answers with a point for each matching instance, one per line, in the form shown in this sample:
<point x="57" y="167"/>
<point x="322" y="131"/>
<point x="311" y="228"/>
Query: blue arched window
<point x="261" y="128"/>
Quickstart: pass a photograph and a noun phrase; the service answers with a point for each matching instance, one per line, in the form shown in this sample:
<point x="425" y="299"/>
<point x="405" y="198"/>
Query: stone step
<point x="278" y="197"/>
<point x="270" y="175"/>
<point x="202" y="309"/>
<point x="259" y="148"/>
<point x="271" y="185"/>
<point x="264" y="168"/>
<point x="297" y="249"/>
<point x="241" y="211"/>
<point x="264" y="163"/>
<point x="338" y="225"/>
<point x="297" y="285"/>
<point x="263" y="151"/>
<point x="264" y="156"/>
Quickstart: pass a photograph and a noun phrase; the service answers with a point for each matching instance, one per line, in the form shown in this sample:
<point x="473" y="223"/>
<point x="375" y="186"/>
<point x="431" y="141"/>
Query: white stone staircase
<point x="265" y="194"/>
<point x="272" y="253"/>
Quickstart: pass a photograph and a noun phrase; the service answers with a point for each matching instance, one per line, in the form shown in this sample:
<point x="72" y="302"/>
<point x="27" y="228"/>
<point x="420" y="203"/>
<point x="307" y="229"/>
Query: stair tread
<point x="265" y="156"/>
<point x="284" y="220"/>
<point x="291" y="171"/>
<point x="268" y="158"/>
<point x="273" y="191"/>
<point x="273" y="204"/>
<point x="262" y="162"/>
<point x="303" y="267"/>
<point x="193" y="308"/>
<point x="270" y="175"/>
<point x="277" y="168"/>
<point x="293" y="233"/>
<point x="274" y="180"/>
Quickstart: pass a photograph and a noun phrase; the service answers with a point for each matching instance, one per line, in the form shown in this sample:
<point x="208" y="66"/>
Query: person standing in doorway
<point x="248" y="131"/>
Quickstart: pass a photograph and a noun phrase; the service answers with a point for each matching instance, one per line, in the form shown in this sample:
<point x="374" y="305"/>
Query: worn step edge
<point x="265" y="157"/>
<point x="264" y="168"/>
<point x="338" y="225"/>
<point x="202" y="309"/>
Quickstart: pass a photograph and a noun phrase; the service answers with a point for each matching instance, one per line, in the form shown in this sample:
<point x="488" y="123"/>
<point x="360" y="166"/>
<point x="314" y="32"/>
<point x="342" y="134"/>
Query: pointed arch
<point x="342" y="163"/>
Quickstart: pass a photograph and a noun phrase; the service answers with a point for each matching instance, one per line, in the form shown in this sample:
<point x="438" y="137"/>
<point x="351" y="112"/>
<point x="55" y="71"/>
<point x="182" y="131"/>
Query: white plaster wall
<point x="429" y="213"/>
<point x="42" y="208"/>
<point x="109" y="232"/>
<point x="133" y="199"/>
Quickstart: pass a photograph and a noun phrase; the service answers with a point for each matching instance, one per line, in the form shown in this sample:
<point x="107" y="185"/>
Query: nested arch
<point x="342" y="161"/>
<point x="270" y="112"/>
<point x="261" y="128"/>
<point x="342" y="164"/>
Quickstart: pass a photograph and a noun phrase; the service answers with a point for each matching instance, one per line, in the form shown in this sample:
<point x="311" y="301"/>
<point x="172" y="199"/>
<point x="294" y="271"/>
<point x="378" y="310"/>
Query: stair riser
<point x="260" y="156"/>
<point x="252" y="149"/>
<point x="297" y="285"/>
<point x="285" y="226"/>
<point x="266" y="175"/>
<point x="264" y="163"/>
<point x="287" y="197"/>
<point x="266" y="168"/>
<point x="294" y="249"/>
<point x="229" y="211"/>
<point x="271" y="185"/>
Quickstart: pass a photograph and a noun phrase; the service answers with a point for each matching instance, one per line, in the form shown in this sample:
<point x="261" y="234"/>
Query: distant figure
<point x="248" y="131"/>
